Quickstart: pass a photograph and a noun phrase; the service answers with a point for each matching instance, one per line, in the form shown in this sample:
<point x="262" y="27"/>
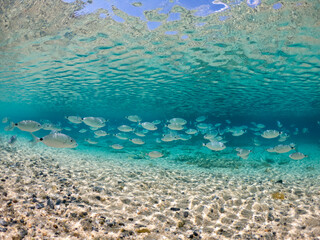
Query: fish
<point x="96" y="122"/>
<point x="284" y="148"/>
<point x="179" y="121"/>
<point x="101" y="133"/>
<point x="12" y="140"/>
<point x="137" y="141"/>
<point x="155" y="154"/>
<point x="201" y="119"/>
<point x="191" y="131"/>
<point x="203" y="126"/>
<point x="74" y="119"/>
<point x="121" y="136"/>
<point x="117" y="146"/>
<point x="25" y="125"/>
<point x="169" y="138"/>
<point x="83" y="130"/>
<point x="88" y="140"/>
<point x="270" y="134"/>
<point x="140" y="134"/>
<point x="243" y="153"/>
<point x="175" y="126"/>
<point x="51" y="127"/>
<point x="215" y="146"/>
<point x="184" y="137"/>
<point x="56" y="140"/>
<point x="156" y="122"/>
<point x="149" y="126"/>
<point x="125" y="128"/>
<point x="297" y="156"/>
<point x="134" y="118"/>
<point x="238" y="132"/>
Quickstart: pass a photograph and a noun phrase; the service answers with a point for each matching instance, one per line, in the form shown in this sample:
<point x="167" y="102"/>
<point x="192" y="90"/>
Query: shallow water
<point x="238" y="63"/>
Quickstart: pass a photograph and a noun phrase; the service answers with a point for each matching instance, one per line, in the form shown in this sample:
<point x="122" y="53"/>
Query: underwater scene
<point x="159" y="119"/>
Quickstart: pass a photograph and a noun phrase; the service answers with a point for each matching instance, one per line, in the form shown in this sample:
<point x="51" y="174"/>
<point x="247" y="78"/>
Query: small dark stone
<point x="98" y="198"/>
<point x="270" y="217"/>
<point x="23" y="233"/>
<point x="34" y="196"/>
<point x="58" y="202"/>
<point x="185" y="214"/>
<point x="3" y="180"/>
<point x="50" y="204"/>
<point x="175" y="209"/>
<point x="195" y="233"/>
<point x="121" y="224"/>
<point x="34" y="200"/>
<point x="3" y="222"/>
<point x="279" y="181"/>
<point x="130" y="219"/>
<point x="83" y="214"/>
<point x="111" y="224"/>
<point x="64" y="201"/>
<point x="73" y="199"/>
<point x="5" y="194"/>
<point x="3" y="229"/>
<point x="139" y="225"/>
<point x="98" y="189"/>
<point x="39" y="206"/>
<point x="191" y="236"/>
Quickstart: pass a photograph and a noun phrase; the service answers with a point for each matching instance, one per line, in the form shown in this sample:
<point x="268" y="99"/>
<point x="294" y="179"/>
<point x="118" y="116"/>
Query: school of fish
<point x="133" y="129"/>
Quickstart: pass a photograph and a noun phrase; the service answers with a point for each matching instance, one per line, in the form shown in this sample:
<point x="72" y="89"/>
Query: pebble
<point x="50" y="203"/>
<point x="3" y="223"/>
<point x="175" y="209"/>
<point x="3" y="229"/>
<point x="185" y="214"/>
<point x="39" y="206"/>
<point x="23" y="233"/>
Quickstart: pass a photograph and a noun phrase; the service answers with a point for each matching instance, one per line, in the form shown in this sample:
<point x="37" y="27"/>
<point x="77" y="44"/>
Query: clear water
<point x="242" y="61"/>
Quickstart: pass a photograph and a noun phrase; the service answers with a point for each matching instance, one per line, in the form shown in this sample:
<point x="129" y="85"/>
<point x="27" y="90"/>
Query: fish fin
<point x="10" y="127"/>
<point x="34" y="140"/>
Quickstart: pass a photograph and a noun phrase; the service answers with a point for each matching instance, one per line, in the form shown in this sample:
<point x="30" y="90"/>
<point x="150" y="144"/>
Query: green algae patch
<point x="278" y="195"/>
<point x="143" y="230"/>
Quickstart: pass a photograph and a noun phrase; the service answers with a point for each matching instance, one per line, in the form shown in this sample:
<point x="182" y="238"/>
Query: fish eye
<point x="71" y="140"/>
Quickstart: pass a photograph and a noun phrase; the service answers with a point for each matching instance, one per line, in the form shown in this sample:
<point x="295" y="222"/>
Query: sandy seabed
<point x="68" y="194"/>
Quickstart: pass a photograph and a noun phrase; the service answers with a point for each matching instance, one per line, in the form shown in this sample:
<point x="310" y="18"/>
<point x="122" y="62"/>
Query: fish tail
<point x="34" y="140"/>
<point x="10" y="127"/>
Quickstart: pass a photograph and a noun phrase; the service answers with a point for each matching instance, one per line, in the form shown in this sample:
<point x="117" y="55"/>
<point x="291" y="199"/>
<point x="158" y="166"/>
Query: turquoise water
<point x="238" y="61"/>
<point x="242" y="161"/>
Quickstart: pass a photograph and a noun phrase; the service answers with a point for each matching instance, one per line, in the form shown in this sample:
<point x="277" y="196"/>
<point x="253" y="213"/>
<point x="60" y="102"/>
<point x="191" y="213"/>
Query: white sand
<point x="115" y="197"/>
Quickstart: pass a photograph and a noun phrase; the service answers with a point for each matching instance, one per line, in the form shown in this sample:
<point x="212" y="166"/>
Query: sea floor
<point x="81" y="194"/>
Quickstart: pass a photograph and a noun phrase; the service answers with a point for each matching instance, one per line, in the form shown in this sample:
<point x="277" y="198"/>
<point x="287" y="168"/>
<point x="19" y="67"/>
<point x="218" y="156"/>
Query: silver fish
<point x="56" y="140"/>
